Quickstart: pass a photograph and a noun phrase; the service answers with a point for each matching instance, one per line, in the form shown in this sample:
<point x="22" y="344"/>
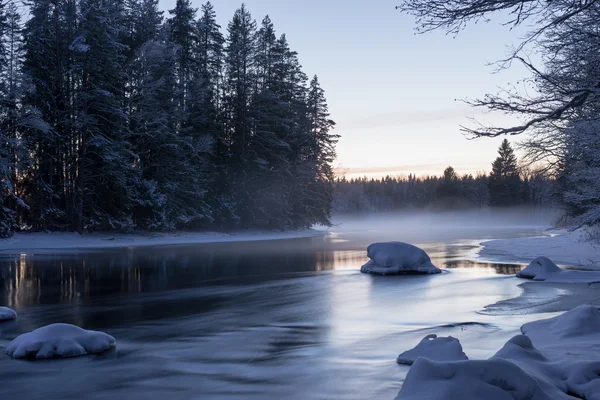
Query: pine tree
<point x="13" y="154"/>
<point x="239" y="65"/>
<point x="106" y="176"/>
<point x="504" y="181"/>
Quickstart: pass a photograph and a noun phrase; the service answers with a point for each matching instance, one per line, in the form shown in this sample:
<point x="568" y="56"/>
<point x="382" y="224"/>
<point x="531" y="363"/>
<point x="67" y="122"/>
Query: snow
<point x="539" y="269"/>
<point x="6" y="314"/>
<point x="73" y="241"/>
<point x="493" y="379"/>
<point x="397" y="258"/>
<point x="434" y="348"/>
<point x="554" y="358"/>
<point x="543" y="269"/>
<point x="563" y="246"/>
<point x="59" y="340"/>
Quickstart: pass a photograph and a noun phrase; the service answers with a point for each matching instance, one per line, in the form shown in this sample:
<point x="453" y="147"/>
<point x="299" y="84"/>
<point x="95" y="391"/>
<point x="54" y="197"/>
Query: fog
<point x="419" y="226"/>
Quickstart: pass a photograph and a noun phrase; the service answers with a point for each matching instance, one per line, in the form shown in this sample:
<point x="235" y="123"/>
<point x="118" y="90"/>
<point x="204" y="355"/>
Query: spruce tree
<point x="504" y="181"/>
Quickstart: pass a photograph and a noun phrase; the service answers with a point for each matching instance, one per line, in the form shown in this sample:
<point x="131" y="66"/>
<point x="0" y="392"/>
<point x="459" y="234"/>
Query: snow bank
<point x="59" y="340"/>
<point x="39" y="242"/>
<point x="493" y="379"/>
<point x="434" y="348"/>
<point x="556" y="358"/>
<point x="543" y="269"/>
<point x="397" y="258"/>
<point x="6" y="314"/>
<point x="562" y="246"/>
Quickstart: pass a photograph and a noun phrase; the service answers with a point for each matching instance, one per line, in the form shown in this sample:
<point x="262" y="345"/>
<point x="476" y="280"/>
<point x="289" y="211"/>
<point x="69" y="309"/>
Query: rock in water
<point x="434" y="348"/>
<point x="59" y="340"/>
<point x="539" y="269"/>
<point x="398" y="258"/>
<point x="6" y="314"/>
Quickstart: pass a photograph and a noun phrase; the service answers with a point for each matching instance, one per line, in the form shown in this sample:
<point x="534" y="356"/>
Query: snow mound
<point x="434" y="348"/>
<point x="543" y="269"/>
<point x="539" y="269"/>
<point x="6" y="314"/>
<point x="581" y="321"/>
<point x="59" y="340"/>
<point x="398" y="258"/>
<point x="493" y="379"/>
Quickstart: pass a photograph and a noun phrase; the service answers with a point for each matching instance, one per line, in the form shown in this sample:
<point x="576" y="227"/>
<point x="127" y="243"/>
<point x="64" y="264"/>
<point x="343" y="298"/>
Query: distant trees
<point x="112" y="117"/>
<point x="507" y="185"/>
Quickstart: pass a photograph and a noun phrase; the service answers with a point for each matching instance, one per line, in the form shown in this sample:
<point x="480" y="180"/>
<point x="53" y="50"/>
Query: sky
<point x="393" y="94"/>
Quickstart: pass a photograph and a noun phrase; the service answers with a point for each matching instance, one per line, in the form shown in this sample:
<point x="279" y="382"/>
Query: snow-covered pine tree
<point x="210" y="54"/>
<point x="106" y="177"/>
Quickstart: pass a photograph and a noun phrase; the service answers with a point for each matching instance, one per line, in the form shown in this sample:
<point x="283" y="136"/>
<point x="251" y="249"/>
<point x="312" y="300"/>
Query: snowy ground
<point x="73" y="241"/>
<point x="560" y="245"/>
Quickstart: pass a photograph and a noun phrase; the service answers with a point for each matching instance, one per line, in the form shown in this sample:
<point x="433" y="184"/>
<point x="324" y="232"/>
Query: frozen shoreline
<point x="73" y="241"/>
<point x="562" y="246"/>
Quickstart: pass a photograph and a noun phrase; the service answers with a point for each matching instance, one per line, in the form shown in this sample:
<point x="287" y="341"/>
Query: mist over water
<point x="260" y="320"/>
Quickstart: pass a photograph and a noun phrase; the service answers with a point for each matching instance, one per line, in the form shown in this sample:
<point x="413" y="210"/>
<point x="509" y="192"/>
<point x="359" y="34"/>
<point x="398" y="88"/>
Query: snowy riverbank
<point x="74" y="241"/>
<point x="560" y="245"/>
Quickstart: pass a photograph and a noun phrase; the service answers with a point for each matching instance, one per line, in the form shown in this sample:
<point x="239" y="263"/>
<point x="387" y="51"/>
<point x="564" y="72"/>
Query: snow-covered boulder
<point x="580" y="323"/>
<point x="398" y="258"/>
<point x="6" y="314"/>
<point x="434" y="348"/>
<point x="539" y="269"/>
<point x="493" y="379"/>
<point x="59" y="340"/>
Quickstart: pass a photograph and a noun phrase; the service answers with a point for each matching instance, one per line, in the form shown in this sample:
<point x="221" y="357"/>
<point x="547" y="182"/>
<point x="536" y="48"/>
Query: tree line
<point x="507" y="185"/>
<point x="114" y="117"/>
<point x="558" y="102"/>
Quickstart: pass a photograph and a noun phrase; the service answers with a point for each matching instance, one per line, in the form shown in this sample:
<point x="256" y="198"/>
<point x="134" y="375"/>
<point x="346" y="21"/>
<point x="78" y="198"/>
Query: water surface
<point x="257" y="320"/>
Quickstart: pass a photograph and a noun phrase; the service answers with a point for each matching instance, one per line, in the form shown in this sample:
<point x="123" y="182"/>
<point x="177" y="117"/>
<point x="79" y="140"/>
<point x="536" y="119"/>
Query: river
<point x="288" y="319"/>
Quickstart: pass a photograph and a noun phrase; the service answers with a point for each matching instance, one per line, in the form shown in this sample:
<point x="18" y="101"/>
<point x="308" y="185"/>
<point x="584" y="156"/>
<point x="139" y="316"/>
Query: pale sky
<point x="391" y="92"/>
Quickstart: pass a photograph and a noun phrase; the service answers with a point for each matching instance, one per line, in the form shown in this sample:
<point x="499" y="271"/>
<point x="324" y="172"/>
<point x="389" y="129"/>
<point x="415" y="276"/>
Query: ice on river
<point x="59" y="340"/>
<point x="398" y="258"/>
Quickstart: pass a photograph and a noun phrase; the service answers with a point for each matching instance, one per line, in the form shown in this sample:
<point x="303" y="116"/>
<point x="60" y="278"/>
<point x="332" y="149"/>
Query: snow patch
<point x="543" y="269"/>
<point x="561" y="245"/>
<point x="42" y="242"/>
<point x="7" y="314"/>
<point x="59" y="340"/>
<point x="434" y="348"/>
<point x="398" y="258"/>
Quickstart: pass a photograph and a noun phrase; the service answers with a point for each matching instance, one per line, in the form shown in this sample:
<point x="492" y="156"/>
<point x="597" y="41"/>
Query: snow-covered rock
<point x="434" y="348"/>
<point x="7" y="314"/>
<point x="539" y="269"/>
<point x="59" y="340"/>
<point x="493" y="379"/>
<point x="398" y="258"/>
<point x="543" y="269"/>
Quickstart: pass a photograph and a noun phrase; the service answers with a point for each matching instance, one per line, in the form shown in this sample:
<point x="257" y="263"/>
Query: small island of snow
<point x="434" y="348"/>
<point x="398" y="258"/>
<point x="6" y="314"/>
<point x="59" y="340"/>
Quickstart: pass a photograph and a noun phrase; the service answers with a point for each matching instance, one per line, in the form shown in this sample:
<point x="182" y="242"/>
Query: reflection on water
<point x="282" y="319"/>
<point x="502" y="269"/>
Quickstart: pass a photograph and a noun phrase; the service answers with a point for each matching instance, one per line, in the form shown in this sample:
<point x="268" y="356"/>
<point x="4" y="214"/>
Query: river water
<point x="288" y="319"/>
